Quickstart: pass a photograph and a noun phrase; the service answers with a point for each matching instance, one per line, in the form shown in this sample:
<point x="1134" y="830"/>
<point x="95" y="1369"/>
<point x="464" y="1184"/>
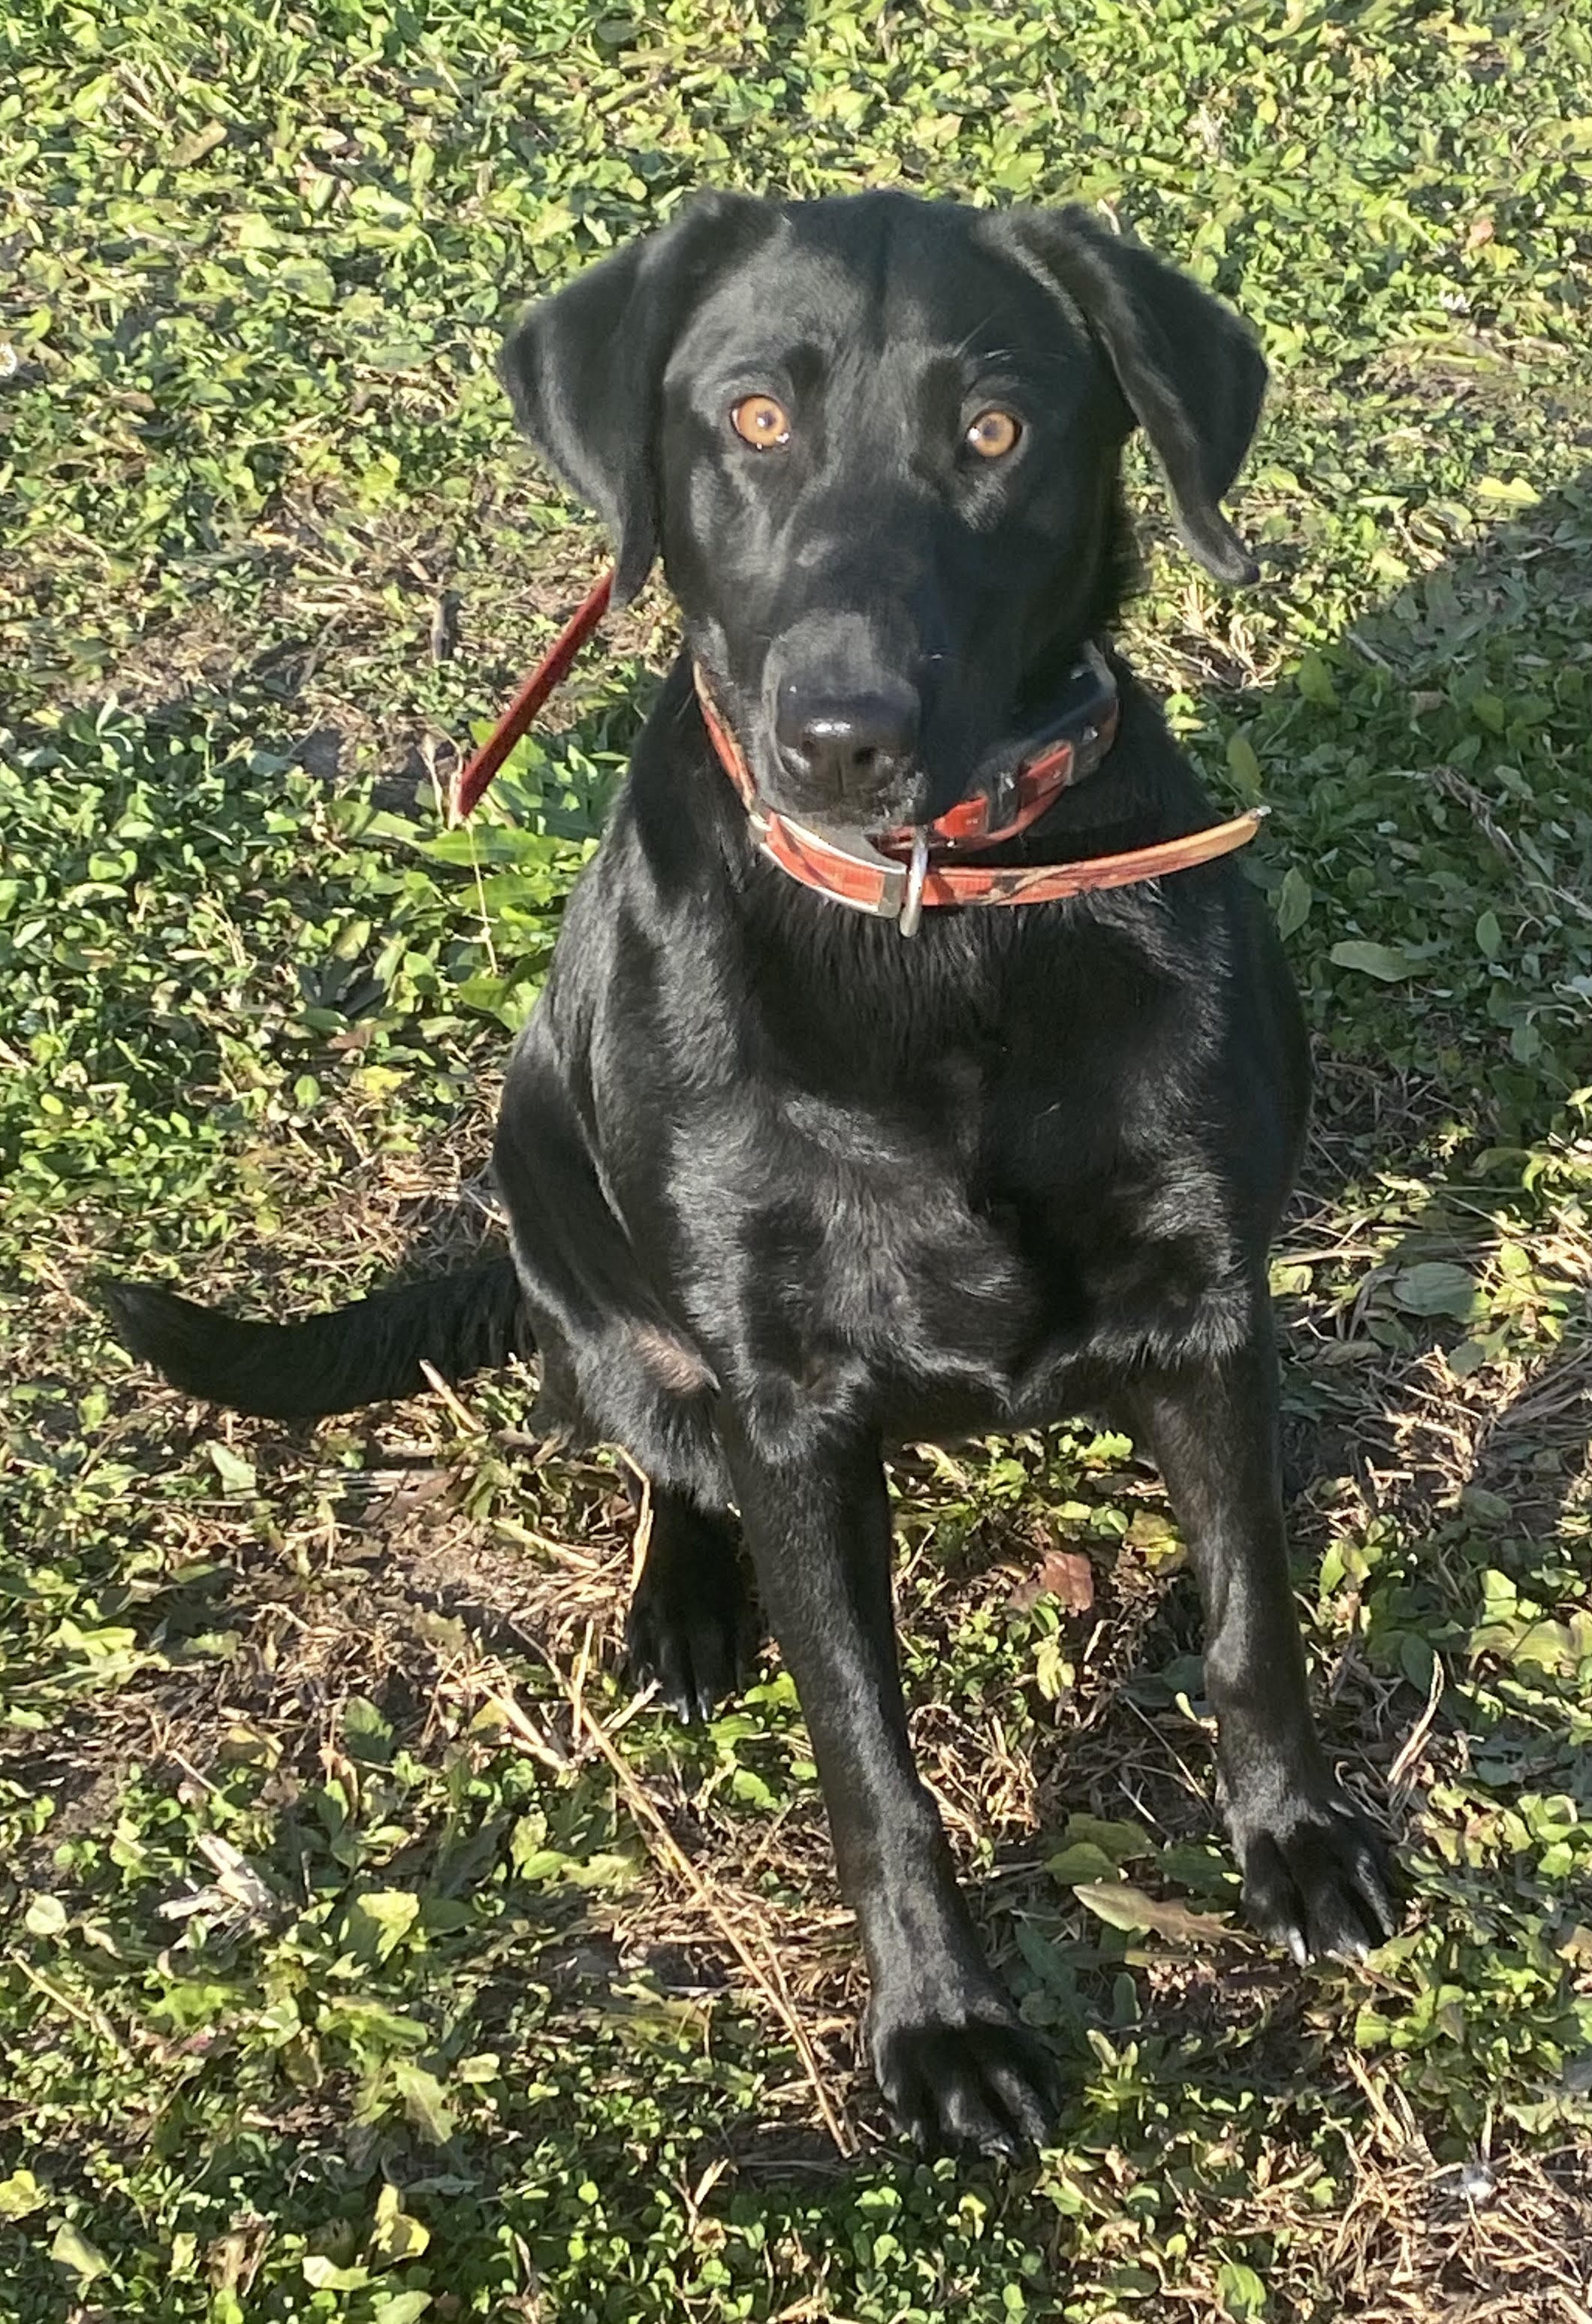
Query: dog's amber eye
<point x="761" y="422"/>
<point x="994" y="433"/>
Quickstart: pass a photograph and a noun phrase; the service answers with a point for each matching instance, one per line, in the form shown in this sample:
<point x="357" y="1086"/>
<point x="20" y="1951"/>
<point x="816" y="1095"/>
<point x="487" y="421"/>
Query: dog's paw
<point x="690" y="1629"/>
<point x="984" y="2085"/>
<point x="1320" y="1882"/>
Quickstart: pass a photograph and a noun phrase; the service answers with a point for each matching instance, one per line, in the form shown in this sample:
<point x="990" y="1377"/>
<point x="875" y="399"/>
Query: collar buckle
<point x="909" y="919"/>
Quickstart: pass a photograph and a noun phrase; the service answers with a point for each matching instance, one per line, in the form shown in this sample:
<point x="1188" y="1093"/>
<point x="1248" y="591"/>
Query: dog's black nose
<point x="850" y="746"/>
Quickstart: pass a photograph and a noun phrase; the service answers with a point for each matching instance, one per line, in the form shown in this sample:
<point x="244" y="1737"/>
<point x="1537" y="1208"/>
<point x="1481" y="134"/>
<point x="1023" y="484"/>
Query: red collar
<point x="864" y="873"/>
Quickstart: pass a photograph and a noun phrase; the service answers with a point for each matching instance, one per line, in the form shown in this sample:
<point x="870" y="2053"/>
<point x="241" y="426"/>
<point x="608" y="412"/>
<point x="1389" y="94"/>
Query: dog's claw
<point x="690" y="1627"/>
<point x="1323" y="1883"/>
<point x="694" y="1661"/>
<point x="985" y="2086"/>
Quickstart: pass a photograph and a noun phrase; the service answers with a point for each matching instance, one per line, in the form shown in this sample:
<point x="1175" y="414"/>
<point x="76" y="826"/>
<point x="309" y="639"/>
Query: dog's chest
<point x="961" y="1236"/>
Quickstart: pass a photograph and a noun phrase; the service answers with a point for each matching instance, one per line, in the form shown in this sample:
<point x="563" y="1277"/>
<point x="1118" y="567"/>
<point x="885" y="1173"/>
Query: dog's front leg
<point x="955" y="2065"/>
<point x="1317" y="1876"/>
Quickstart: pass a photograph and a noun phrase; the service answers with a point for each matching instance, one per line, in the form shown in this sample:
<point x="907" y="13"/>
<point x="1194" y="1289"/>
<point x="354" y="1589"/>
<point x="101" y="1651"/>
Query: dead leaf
<point x="1122" y="1906"/>
<point x="1066" y="1575"/>
<point x="232" y="2261"/>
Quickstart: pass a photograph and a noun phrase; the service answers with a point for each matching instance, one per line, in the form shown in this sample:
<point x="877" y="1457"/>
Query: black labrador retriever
<point x="787" y="1184"/>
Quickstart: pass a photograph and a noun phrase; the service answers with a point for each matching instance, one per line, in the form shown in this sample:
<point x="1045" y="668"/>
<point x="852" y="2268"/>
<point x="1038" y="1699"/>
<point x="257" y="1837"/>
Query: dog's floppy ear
<point x="1190" y="373"/>
<point x="585" y="368"/>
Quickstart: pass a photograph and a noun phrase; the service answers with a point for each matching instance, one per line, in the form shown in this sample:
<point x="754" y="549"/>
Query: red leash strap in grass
<point x="469" y="786"/>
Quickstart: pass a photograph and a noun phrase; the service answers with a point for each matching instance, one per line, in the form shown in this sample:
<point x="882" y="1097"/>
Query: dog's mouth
<point x="1014" y="786"/>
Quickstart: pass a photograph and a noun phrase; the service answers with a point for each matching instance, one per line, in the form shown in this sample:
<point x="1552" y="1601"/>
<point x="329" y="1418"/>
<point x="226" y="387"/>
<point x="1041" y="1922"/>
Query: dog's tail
<point x="459" y="1323"/>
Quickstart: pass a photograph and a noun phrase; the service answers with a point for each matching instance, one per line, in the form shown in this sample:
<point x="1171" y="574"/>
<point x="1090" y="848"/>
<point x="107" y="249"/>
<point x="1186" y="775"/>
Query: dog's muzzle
<point x="889" y="873"/>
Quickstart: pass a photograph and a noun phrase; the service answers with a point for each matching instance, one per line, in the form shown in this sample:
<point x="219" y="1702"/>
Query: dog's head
<point x="877" y="441"/>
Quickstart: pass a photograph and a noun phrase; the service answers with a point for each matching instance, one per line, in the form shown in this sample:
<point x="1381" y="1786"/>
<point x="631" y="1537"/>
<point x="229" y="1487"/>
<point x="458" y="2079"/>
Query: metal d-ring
<point x="911" y="912"/>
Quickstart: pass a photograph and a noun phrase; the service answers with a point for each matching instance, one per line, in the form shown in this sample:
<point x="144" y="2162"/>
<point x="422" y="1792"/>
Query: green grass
<point x="341" y="1974"/>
